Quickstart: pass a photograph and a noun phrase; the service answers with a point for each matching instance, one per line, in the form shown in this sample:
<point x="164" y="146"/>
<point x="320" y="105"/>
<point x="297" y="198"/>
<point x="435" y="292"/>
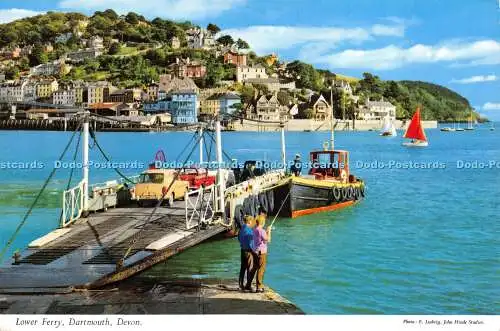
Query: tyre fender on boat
<point x="337" y="194"/>
<point x="254" y="205"/>
<point x="362" y="190"/>
<point x="270" y="201"/>
<point x="247" y="210"/>
<point x="264" y="205"/>
<point x="238" y="216"/>
<point x="345" y="193"/>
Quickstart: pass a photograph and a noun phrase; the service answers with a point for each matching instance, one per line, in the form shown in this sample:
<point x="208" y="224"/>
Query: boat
<point x="447" y="129"/>
<point x="459" y="128"/>
<point x="329" y="184"/>
<point x="415" y="132"/>
<point x="388" y="130"/>
<point x="492" y="127"/>
<point x="469" y="126"/>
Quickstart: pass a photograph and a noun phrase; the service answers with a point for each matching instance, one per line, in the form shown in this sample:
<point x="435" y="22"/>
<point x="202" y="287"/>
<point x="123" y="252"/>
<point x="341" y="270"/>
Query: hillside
<point x="137" y="50"/>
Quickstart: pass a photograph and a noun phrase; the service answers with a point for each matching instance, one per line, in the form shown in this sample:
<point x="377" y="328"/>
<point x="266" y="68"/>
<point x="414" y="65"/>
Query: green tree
<point x="114" y="48"/>
<point x="132" y="18"/>
<point x="226" y="40"/>
<point x="38" y="56"/>
<point x="241" y="44"/>
<point x="284" y="98"/>
<point x="214" y="29"/>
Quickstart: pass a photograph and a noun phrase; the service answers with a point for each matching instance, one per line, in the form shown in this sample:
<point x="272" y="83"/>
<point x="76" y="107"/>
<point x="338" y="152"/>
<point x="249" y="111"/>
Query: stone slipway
<point x="192" y="296"/>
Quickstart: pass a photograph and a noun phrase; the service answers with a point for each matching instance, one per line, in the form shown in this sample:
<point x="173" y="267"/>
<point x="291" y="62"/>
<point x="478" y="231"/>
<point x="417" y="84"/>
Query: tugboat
<point x="328" y="185"/>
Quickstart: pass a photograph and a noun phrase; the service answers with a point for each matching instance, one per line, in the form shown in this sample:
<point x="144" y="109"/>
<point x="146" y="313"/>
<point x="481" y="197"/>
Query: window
<point x="151" y="178"/>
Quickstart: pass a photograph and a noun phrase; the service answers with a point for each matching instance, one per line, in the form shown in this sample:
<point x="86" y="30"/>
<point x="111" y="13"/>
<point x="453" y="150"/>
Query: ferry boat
<point x="415" y="132"/>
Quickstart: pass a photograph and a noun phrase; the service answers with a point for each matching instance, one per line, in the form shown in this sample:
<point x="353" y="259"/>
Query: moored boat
<point x="415" y="132"/>
<point x="328" y="186"/>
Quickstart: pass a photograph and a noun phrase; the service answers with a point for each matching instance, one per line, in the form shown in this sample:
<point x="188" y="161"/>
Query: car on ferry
<point x="197" y="177"/>
<point x="153" y="184"/>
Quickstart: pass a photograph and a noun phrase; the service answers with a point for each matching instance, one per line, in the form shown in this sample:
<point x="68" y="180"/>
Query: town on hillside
<point x="187" y="76"/>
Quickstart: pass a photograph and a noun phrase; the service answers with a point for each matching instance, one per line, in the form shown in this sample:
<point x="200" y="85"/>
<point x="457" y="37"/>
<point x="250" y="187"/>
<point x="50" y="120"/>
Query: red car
<point x="197" y="177"/>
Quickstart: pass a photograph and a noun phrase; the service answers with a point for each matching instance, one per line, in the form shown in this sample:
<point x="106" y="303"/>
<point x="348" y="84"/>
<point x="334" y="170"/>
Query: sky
<point x="455" y="43"/>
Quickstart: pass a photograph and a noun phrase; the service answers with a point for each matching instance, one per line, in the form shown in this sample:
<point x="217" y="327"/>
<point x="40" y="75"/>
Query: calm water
<point x="423" y="241"/>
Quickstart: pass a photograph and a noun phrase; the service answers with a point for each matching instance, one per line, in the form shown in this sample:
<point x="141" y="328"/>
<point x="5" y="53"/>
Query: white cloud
<point x="268" y="38"/>
<point x="174" y="9"/>
<point x="392" y="57"/>
<point x="475" y="79"/>
<point x="491" y="106"/>
<point x="12" y="14"/>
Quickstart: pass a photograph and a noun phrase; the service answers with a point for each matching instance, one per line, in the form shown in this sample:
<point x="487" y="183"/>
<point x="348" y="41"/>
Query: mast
<point x="85" y="161"/>
<point x="332" y="138"/>
<point x="200" y="132"/>
<point x="283" y="150"/>
<point x="220" y="179"/>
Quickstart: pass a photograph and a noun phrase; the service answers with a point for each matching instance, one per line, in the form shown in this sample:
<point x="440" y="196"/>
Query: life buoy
<point x="337" y="194"/>
<point x="343" y="175"/>
<point x="270" y="201"/>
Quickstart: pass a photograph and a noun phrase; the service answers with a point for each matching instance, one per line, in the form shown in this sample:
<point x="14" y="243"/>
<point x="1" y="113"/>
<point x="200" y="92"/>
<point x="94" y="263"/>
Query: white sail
<point x="387" y="126"/>
<point x="394" y="133"/>
<point x="388" y="129"/>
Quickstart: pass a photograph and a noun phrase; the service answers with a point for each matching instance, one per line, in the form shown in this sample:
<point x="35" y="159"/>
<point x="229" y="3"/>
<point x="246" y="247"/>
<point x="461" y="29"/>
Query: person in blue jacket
<point x="245" y="238"/>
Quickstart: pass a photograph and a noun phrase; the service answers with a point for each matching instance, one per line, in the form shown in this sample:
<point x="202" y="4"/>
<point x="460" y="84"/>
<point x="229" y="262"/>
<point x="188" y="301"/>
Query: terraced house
<point x="183" y="107"/>
<point x="46" y="87"/>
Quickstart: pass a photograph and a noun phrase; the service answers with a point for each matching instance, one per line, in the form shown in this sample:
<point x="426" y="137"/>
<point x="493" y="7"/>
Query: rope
<point x="96" y="143"/>
<point x="279" y="210"/>
<point x="193" y="137"/>
<point x="28" y="213"/>
<point x="136" y="236"/>
<point x="225" y="154"/>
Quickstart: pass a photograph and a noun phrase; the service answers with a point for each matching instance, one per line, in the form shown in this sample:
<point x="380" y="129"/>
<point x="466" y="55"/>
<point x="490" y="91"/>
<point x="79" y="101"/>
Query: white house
<point x="378" y="110"/>
<point x="49" y="69"/>
<point x="199" y="38"/>
<point x="65" y="97"/>
<point x="248" y="72"/>
<point x="95" y="42"/>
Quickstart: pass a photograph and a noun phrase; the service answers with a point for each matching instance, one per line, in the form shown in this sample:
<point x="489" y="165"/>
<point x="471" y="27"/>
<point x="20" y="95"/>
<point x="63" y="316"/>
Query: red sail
<point x="415" y="130"/>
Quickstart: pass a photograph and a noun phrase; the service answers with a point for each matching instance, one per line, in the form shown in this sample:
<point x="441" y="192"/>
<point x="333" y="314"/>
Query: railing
<point x="117" y="182"/>
<point x="72" y="205"/>
<point x="200" y="206"/>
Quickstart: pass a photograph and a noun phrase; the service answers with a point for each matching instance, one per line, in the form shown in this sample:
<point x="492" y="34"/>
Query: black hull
<point x="303" y="199"/>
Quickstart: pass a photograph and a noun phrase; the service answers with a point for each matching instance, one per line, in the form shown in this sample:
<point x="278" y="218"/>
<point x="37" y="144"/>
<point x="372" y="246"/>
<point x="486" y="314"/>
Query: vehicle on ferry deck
<point x="154" y="184"/>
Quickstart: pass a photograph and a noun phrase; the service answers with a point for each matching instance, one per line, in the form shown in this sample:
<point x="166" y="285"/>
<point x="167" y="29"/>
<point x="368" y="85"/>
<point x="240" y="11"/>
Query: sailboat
<point x="389" y="130"/>
<point x="469" y="127"/>
<point x="415" y="132"/>
<point x="492" y="127"/>
<point x="459" y="128"/>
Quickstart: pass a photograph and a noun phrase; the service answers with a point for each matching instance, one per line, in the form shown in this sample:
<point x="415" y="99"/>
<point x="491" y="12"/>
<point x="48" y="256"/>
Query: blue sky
<point x="450" y="42"/>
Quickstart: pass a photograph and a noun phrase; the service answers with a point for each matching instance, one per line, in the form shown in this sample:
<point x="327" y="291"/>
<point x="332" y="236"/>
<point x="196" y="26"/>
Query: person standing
<point x="245" y="238"/>
<point x="261" y="238"/>
<point x="296" y="167"/>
